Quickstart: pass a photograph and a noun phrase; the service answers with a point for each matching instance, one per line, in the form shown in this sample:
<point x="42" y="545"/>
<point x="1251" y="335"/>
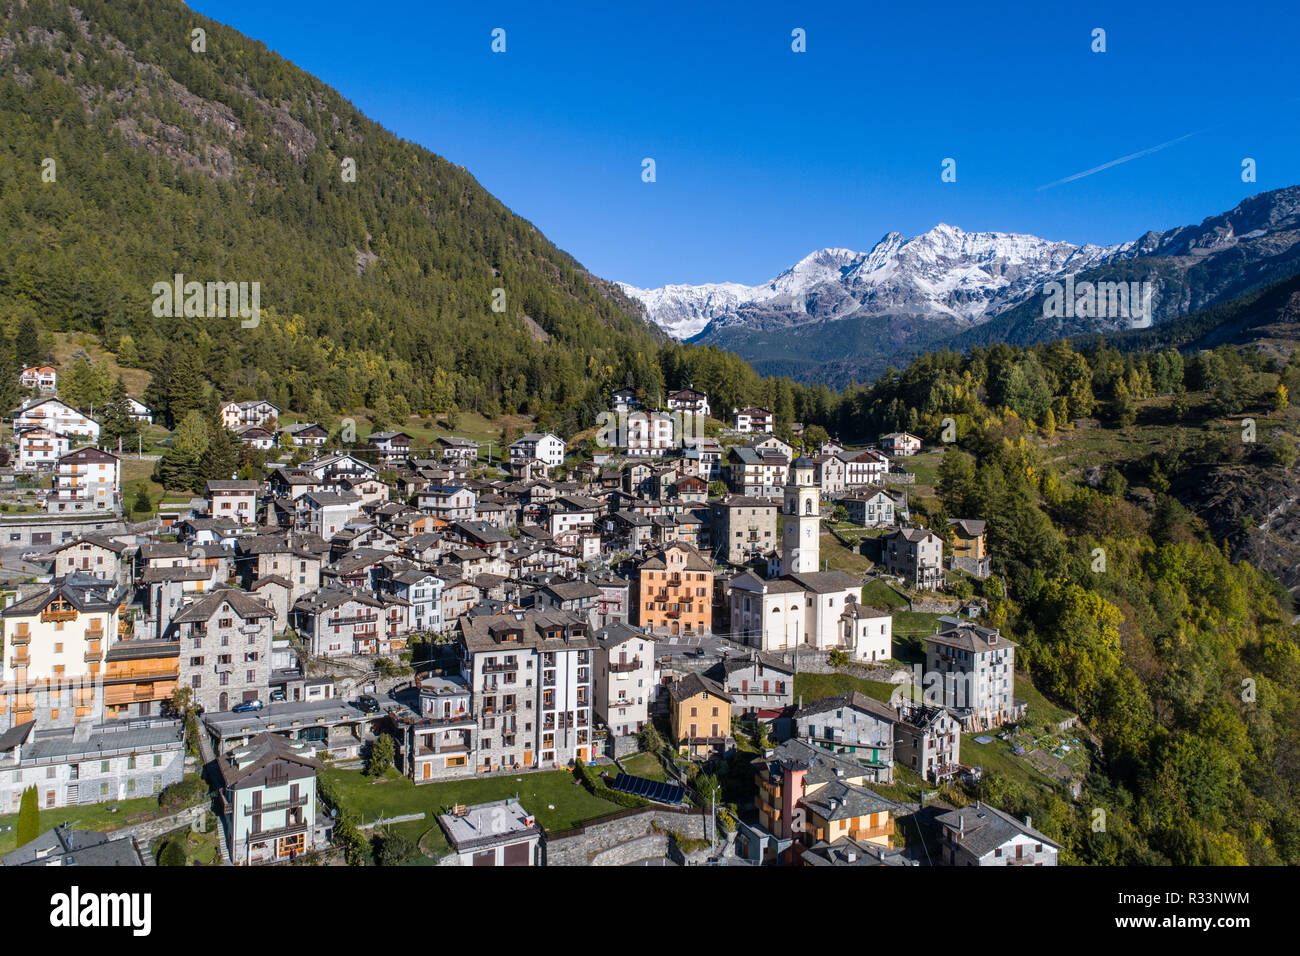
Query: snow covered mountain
<point x="840" y="316"/>
<point x="963" y="276"/>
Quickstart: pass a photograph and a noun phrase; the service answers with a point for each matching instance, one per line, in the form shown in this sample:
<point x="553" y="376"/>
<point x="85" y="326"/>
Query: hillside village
<point x="688" y="641"/>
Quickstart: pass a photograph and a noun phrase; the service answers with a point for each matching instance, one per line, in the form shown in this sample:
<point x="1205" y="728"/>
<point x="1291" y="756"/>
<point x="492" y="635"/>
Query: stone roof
<point x="984" y="828"/>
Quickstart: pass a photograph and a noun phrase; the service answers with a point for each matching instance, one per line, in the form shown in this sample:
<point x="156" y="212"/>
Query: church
<point x="798" y="603"/>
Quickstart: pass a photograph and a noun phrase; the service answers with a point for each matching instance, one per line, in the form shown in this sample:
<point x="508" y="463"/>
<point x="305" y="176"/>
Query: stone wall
<point x="623" y="837"/>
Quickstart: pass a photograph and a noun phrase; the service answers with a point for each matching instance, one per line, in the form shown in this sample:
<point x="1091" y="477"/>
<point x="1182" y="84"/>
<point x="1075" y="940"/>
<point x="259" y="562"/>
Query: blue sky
<point x="763" y="155"/>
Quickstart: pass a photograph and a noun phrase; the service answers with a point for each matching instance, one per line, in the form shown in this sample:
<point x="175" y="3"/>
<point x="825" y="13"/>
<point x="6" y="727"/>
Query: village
<point x="685" y="641"/>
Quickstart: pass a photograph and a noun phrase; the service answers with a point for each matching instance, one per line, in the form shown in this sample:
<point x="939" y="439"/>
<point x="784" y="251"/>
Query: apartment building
<point x="541" y="446"/>
<point x="873" y="507"/>
<point x="392" y="448"/>
<point x="867" y="467"/>
<point x="649" y="434"/>
<point x="43" y="377"/>
<point x="689" y="400"/>
<point x="334" y="622"/>
<point x="744" y="527"/>
<point x="53" y="415"/>
<point x="85" y="480"/>
<point x="756" y="682"/>
<point x="97" y="556"/>
<point x="675" y="592"/>
<point x="325" y="513"/>
<point x="259" y="413"/>
<point x="900" y="444"/>
<point x="757" y="472"/>
<point x="89" y="763"/>
<point x="458" y="449"/>
<point x="752" y="419"/>
<point x="533" y="683"/>
<point x="927" y="740"/>
<point x="448" y="502"/>
<point x="699" y="713"/>
<point x="439" y="737"/>
<point x="852" y="725"/>
<point x="807" y="795"/>
<point x="915" y="555"/>
<point x="626" y="680"/>
<point x="55" y="641"/>
<point x="975" y="668"/>
<point x="225" y="648"/>
<point x="39" y="449"/>
<point x="235" y="500"/>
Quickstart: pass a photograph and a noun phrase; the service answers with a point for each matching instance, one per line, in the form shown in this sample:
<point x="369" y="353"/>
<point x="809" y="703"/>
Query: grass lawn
<point x="879" y="594"/>
<point x="925" y="466"/>
<point x="816" y="686"/>
<point x="645" y="765"/>
<point x="1039" y="710"/>
<point x="136" y="473"/>
<point x="554" y="796"/>
<point x="92" y="816"/>
<point x="839" y="558"/>
<point x="910" y="630"/>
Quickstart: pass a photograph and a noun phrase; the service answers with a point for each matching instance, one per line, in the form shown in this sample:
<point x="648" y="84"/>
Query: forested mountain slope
<point x="227" y="165"/>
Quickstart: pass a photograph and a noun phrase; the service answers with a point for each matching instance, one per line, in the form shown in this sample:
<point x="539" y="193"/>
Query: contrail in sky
<point x="1122" y="159"/>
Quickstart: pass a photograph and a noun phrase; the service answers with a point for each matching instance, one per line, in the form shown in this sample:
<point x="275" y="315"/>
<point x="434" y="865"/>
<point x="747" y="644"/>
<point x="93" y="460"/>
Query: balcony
<point x="623" y="667"/>
<point x="298" y="801"/>
<point x="20" y="640"/>
<point x="424" y="751"/>
<point x="48" y="616"/>
<point x="356" y="619"/>
<point x="19" y="660"/>
<point x="867" y="833"/>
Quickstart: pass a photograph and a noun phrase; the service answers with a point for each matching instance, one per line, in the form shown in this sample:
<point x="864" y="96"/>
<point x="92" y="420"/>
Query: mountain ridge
<point x="952" y="287"/>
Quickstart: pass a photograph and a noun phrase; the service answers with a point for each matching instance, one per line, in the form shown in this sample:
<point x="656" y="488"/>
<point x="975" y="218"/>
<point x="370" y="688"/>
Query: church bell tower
<point x="800" y="535"/>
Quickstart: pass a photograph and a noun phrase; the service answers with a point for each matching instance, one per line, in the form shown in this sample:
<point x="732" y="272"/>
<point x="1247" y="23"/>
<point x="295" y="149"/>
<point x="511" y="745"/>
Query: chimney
<point x="1029" y="821"/>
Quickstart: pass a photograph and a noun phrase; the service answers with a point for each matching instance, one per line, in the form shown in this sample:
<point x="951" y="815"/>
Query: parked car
<point x="246" y="706"/>
<point x="368" y="704"/>
<point x="277" y="695"/>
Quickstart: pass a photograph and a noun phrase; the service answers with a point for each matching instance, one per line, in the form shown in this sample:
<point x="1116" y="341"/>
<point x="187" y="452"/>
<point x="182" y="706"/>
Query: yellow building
<point x="968" y="538"/>
<point x="55" y="643"/>
<point x="700" y="715"/>
<point x="675" y="592"/>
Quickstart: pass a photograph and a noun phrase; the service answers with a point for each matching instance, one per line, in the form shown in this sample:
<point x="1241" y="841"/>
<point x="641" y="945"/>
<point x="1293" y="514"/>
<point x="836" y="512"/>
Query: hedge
<point x="595" y="783"/>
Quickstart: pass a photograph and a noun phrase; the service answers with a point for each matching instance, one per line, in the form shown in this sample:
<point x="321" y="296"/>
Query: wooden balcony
<point x="48" y="615"/>
<point x="868" y="833"/>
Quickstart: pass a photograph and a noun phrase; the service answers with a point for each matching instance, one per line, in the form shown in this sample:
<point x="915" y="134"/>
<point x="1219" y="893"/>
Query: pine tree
<point x="29" y="817"/>
<point x="10" y="391"/>
<point x="115" y="419"/>
<point x="27" y="342"/>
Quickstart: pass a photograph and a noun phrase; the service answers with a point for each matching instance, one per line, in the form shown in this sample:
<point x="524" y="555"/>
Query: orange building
<point x="675" y="592"/>
<point x="808" y="795"/>
<point x="139" y="677"/>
